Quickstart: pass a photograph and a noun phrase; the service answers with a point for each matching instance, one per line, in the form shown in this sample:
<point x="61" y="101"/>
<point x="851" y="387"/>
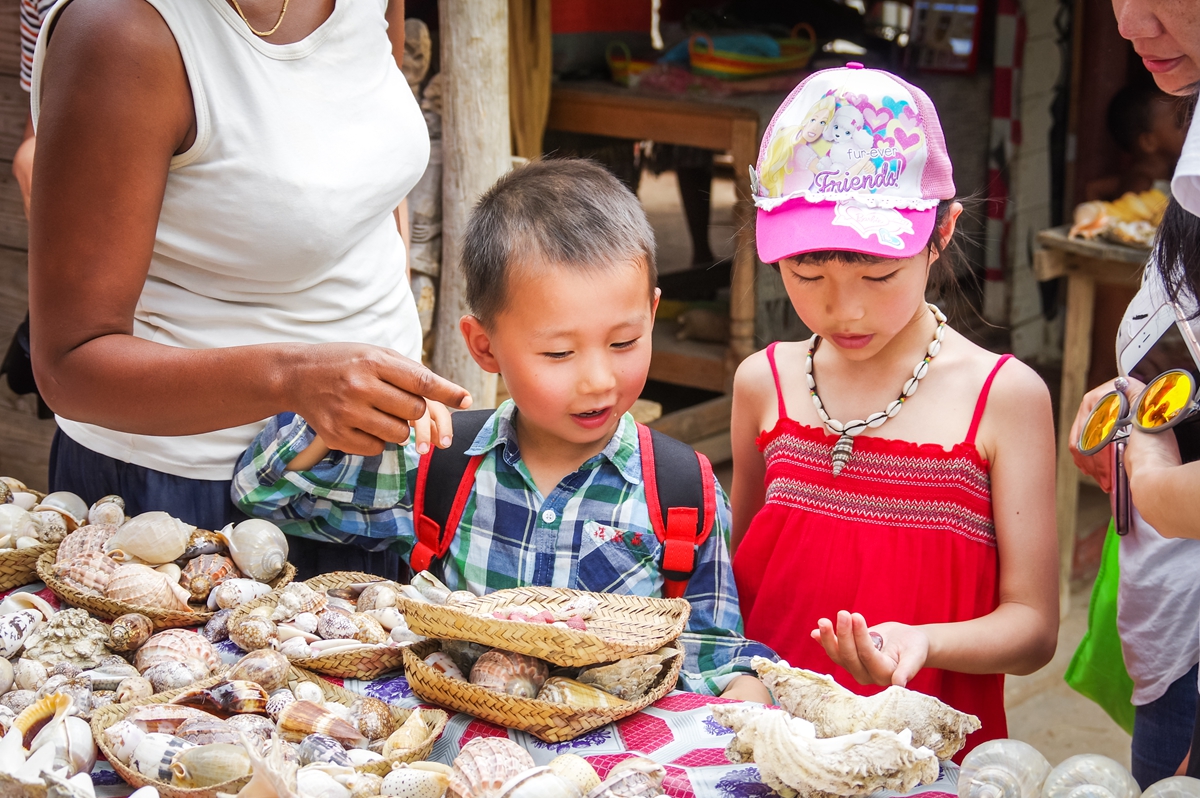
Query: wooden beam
<point x="695" y="423"/>
<point x="742" y="302"/>
<point x="476" y="151"/>
<point x="691" y="363"/>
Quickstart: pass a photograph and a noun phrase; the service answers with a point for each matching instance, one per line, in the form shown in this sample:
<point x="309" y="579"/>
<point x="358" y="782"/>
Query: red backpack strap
<point x="445" y="478"/>
<point x="682" y="503"/>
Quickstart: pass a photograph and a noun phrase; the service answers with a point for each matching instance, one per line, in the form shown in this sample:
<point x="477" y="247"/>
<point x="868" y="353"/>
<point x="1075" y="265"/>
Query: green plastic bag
<point x="1098" y="669"/>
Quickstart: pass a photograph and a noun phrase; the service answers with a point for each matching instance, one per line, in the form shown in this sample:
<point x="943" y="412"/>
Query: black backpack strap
<point x="681" y="499"/>
<point x="444" y="480"/>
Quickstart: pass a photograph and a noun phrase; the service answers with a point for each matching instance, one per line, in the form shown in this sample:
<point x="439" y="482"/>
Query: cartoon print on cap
<point x="885" y="224"/>
<point x="866" y="147"/>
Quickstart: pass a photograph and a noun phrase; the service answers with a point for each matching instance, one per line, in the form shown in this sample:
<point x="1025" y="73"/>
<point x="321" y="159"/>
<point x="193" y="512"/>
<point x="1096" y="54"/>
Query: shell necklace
<point x="844" y="447"/>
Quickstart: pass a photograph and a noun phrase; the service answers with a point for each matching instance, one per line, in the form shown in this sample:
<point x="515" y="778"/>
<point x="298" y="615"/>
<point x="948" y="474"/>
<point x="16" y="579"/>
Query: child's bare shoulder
<point x="1016" y="388"/>
<point x="755" y="379"/>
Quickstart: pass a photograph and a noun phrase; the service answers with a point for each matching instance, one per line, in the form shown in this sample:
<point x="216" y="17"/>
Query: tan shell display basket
<point x="110" y="609"/>
<point x="108" y="715"/>
<point x="363" y="665"/>
<point x="551" y="722"/>
<point x="18" y="567"/>
<point x="621" y="627"/>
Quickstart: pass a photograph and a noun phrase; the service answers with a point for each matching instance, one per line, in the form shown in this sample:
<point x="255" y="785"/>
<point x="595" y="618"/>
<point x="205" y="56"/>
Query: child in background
<point x="559" y="264"/>
<point x="926" y="558"/>
<point x="1147" y="125"/>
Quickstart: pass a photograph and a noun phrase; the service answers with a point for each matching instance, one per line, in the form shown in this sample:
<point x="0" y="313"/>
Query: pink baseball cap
<point x="853" y="160"/>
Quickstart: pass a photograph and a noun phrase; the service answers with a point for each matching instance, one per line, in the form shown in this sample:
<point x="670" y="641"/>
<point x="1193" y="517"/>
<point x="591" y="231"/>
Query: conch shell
<point x="258" y="547"/>
<point x="142" y="586"/>
<point x="153" y="537"/>
<point x="835" y="711"/>
<point x="793" y="761"/>
<point x="301" y="718"/>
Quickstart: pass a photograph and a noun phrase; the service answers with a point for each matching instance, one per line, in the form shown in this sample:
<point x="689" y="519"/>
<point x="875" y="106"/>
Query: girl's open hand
<point x="853" y="645"/>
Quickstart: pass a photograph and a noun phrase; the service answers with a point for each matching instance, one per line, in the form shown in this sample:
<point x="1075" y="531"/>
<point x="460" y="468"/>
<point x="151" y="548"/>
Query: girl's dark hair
<point x="945" y="269"/>
<point x="1177" y="245"/>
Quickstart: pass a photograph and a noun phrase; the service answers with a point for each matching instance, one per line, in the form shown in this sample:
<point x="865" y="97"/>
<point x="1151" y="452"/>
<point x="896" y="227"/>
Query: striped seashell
<point x="302" y="718"/>
<point x="177" y="645"/>
<point x="204" y="573"/>
<point x="89" y="572"/>
<point x="512" y="674"/>
<point x="484" y="765"/>
<point x="142" y="586"/>
<point x="92" y="537"/>
<point x="842" y="450"/>
<point x="154" y="754"/>
<point x="163" y="718"/>
<point x="226" y="698"/>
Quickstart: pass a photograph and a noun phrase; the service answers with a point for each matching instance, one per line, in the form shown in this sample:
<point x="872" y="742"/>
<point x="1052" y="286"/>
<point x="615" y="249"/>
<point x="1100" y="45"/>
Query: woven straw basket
<point x="110" y="609"/>
<point x="361" y="664"/>
<point x="621" y="627"/>
<point x="108" y="715"/>
<point x="18" y="567"/>
<point x="553" y="723"/>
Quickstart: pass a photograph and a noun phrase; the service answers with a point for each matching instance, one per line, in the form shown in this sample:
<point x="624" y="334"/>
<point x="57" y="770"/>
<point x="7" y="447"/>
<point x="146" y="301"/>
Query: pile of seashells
<point x="831" y="742"/>
<point x="305" y="623"/>
<point x="496" y="767"/>
<point x="211" y="735"/>
<point x="596" y="686"/>
<point x="28" y="519"/>
<point x="155" y="561"/>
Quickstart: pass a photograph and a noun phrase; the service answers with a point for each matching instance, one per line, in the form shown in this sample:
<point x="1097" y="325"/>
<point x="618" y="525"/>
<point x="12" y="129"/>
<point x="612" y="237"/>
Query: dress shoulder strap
<point x="775" y="374"/>
<point x="981" y="404"/>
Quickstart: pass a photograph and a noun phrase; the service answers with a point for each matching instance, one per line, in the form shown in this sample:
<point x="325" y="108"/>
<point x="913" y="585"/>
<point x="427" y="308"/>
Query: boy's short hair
<point x="1131" y="113"/>
<point x="561" y="211"/>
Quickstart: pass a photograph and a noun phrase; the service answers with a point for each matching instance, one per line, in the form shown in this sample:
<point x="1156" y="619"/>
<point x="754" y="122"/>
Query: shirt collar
<point x="622" y="451"/>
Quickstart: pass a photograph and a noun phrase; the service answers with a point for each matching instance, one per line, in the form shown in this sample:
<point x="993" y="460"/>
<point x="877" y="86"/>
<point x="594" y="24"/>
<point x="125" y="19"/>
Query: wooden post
<point x="745" y="259"/>
<point x="1077" y="353"/>
<point x="476" y="151"/>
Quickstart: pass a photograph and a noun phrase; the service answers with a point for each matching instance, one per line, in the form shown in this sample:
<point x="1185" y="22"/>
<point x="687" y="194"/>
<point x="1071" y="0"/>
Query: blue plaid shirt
<point x="592" y="532"/>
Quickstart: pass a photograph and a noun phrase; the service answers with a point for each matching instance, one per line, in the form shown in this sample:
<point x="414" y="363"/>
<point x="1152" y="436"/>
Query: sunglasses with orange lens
<point x="1167" y="400"/>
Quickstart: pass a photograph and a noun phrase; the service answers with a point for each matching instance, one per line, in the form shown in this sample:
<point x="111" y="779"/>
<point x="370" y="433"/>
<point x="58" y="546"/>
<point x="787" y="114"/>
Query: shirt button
<point x="549" y="516"/>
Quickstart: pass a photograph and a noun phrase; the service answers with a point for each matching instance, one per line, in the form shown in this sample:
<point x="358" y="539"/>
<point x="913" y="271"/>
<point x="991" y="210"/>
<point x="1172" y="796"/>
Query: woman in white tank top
<point x="212" y="239"/>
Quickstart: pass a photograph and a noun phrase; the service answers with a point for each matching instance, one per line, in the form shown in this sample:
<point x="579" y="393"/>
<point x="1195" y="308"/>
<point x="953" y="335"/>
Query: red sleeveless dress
<point x="904" y="533"/>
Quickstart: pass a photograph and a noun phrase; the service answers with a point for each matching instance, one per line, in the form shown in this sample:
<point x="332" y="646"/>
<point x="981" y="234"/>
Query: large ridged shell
<point x="177" y="645"/>
<point x="629" y="678"/>
<point x="235" y="697"/>
<point x="70" y="636"/>
<point x="89" y="572"/>
<point x="209" y="765"/>
<point x="836" y="711"/>
<point x="258" y="547"/>
<point x="790" y="757"/>
<point x="15" y="629"/>
<point x="296" y="598"/>
<point x="142" y="586"/>
<point x="154" y="537"/>
<point x="93" y="537"/>
<point x="154" y="754"/>
<point x="302" y="718"/>
<point x="512" y="674"/>
<point x="164" y="718"/>
<point x="204" y="573"/>
<point x="484" y="765"/>
<point x="265" y="667"/>
<point x="559" y="690"/>
<point x="129" y="632"/>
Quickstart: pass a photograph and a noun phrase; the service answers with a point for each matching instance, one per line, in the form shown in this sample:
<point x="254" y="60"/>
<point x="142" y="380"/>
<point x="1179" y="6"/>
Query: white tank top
<point x="277" y="224"/>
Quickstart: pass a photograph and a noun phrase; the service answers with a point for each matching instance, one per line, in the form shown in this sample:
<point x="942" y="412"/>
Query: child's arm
<point x="435" y="427"/>
<point x="1020" y="635"/>
<point x="718" y="657"/>
<point x="753" y="394"/>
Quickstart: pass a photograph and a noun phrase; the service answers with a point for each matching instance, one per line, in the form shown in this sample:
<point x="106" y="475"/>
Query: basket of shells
<point x="33" y="523"/>
<point x="210" y="737"/>
<point x="171" y="572"/>
<point x="570" y="628"/>
<point x="342" y="624"/>
<point x="523" y="692"/>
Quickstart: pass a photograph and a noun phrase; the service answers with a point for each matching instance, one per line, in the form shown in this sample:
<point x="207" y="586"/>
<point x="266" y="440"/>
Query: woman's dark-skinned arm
<point x="115" y="107"/>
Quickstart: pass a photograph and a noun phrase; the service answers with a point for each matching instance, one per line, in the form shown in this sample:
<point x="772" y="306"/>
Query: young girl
<point x="887" y="534"/>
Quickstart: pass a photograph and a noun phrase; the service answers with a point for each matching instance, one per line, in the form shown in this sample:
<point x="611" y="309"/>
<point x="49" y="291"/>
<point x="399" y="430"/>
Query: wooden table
<point x="1084" y="264"/>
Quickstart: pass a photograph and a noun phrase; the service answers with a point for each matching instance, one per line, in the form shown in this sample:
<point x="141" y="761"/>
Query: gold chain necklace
<point x="260" y="33"/>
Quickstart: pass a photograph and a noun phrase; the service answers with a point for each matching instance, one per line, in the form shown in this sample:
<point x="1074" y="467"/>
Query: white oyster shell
<point x="835" y="711"/>
<point x="793" y="761"/>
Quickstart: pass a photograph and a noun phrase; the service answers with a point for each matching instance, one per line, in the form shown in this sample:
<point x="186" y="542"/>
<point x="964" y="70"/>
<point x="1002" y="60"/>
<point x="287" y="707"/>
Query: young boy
<point x="559" y="263"/>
